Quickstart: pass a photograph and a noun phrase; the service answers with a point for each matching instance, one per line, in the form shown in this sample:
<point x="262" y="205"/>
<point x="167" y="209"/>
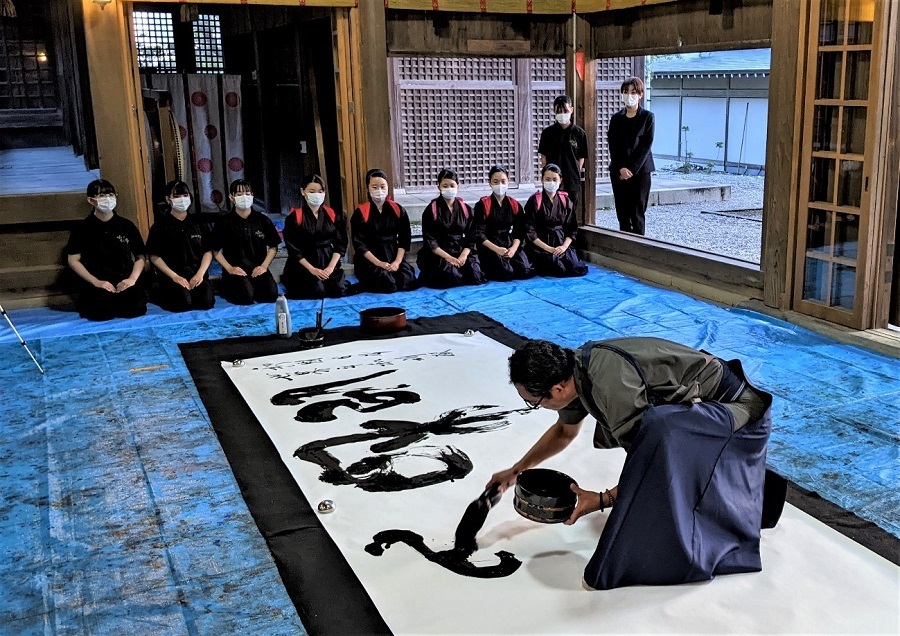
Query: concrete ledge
<point x="710" y="276"/>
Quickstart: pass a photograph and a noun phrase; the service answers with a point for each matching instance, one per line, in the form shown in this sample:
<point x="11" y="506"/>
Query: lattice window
<point x="458" y="129"/>
<point x="611" y="72"/>
<point x="614" y="68"/>
<point x="455" y="69"/>
<point x="208" y="44"/>
<point x="548" y="70"/>
<point x="155" y="41"/>
<point x="26" y="72"/>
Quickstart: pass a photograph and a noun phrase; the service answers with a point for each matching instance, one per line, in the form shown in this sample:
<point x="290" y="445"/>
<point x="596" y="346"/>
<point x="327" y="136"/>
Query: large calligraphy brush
<point x="473" y="520"/>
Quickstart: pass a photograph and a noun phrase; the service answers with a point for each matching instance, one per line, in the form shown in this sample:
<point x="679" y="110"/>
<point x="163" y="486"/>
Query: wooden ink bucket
<point x="543" y="495"/>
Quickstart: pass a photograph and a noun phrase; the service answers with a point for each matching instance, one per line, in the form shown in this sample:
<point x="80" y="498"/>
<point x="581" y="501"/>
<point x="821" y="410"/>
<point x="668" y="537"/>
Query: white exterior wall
<point x="756" y="113"/>
<point x="714" y="113"/>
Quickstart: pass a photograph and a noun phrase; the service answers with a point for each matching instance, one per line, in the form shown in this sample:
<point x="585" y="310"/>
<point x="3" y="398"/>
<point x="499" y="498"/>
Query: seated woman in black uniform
<point x="316" y="240"/>
<point x="550" y="228"/>
<point x="246" y="242"/>
<point x="181" y="254"/>
<point x="381" y="238"/>
<point x="448" y="257"/>
<point x="106" y="251"/>
<point x="500" y="232"/>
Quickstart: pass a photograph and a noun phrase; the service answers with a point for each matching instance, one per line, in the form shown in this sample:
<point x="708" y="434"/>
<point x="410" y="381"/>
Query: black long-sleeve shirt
<point x="630" y="140"/>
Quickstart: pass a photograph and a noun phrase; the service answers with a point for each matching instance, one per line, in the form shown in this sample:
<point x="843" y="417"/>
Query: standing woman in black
<point x="316" y="240"/>
<point x="448" y="257"/>
<point x="500" y="231"/>
<point x="381" y="239"/>
<point x="551" y="227"/>
<point x="630" y="136"/>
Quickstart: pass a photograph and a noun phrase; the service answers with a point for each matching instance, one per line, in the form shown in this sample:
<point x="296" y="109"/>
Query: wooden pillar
<point x="375" y="107"/>
<point x="584" y="93"/>
<point x="115" y="93"/>
<point x="524" y="122"/>
<point x="780" y="198"/>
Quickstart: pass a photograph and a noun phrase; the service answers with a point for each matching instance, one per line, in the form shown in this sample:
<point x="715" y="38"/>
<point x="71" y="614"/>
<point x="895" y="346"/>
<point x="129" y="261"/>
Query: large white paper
<point x="813" y="579"/>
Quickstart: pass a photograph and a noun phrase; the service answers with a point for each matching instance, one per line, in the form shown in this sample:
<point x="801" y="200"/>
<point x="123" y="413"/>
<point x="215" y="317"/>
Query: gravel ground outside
<point x="731" y="228"/>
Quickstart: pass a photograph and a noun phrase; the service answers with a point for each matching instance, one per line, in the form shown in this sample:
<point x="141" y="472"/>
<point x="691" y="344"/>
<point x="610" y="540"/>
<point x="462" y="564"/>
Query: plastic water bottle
<point x="282" y="317"/>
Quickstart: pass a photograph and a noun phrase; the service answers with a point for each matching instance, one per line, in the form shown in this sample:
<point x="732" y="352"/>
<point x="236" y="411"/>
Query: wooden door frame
<point x="860" y="317"/>
<point x="887" y="181"/>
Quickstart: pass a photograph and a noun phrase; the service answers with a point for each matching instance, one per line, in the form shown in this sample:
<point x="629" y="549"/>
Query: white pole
<point x="16" y="331"/>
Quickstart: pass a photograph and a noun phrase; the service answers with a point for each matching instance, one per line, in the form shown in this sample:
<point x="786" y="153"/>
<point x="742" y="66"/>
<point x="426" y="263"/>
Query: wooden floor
<point x="43" y="170"/>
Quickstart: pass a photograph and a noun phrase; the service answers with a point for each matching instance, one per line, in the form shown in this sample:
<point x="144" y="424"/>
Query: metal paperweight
<point x="326" y="505"/>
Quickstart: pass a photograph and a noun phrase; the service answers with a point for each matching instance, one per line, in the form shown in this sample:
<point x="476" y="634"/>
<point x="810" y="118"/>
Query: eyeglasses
<point x="534" y="405"/>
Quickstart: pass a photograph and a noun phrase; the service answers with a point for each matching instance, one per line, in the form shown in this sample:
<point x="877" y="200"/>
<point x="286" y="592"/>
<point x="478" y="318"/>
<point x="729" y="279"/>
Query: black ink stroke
<point x="457" y="561"/>
<point x="379" y="399"/>
<point x="299" y="395"/>
<point x="376" y="473"/>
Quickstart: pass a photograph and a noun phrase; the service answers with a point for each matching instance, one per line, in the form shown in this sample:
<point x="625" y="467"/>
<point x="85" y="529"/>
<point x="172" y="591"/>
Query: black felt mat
<point x="328" y="596"/>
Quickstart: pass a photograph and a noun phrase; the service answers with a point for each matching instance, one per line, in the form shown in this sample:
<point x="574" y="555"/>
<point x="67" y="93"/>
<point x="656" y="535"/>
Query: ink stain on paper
<point x="456" y="560"/>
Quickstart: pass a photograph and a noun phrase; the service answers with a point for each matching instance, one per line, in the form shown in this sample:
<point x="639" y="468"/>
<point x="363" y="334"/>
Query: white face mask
<point x="315" y="199"/>
<point x="378" y="196"/>
<point x="243" y="201"/>
<point x="631" y="100"/>
<point x="564" y="118"/>
<point x="500" y="189"/>
<point x="449" y="193"/>
<point x="551" y="186"/>
<point x="181" y="203"/>
<point x="106" y="203"/>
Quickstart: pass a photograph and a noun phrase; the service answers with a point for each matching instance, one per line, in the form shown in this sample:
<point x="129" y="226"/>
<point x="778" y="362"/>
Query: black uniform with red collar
<point x="450" y="227"/>
<point x="501" y="224"/>
<point x="317" y="239"/>
<point x="552" y="221"/>
<point x="108" y="250"/>
<point x="382" y="233"/>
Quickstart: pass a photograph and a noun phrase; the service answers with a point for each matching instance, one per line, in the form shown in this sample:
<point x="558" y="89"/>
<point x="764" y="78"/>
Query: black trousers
<point x="245" y="290"/>
<point x="574" y="197"/>
<point x="173" y="297"/>
<point x="94" y="303"/>
<point x="299" y="283"/>
<point x="631" y="197"/>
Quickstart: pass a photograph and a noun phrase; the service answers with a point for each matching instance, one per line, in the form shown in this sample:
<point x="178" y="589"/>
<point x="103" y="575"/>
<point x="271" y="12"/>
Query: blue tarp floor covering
<point x="119" y="513"/>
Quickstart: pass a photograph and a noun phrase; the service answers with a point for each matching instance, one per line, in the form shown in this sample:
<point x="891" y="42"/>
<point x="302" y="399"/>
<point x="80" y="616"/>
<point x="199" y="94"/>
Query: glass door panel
<point x="846" y="235"/>
<point x="821" y="184"/>
<point x="857" y="81"/>
<point x="850" y="184"/>
<point x="831" y="22"/>
<point x="818" y="232"/>
<point x="843" y="286"/>
<point x="828" y="76"/>
<point x="853" y="139"/>
<point x="860" y="20"/>
<point x="815" y="286"/>
<point x="825" y="128"/>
